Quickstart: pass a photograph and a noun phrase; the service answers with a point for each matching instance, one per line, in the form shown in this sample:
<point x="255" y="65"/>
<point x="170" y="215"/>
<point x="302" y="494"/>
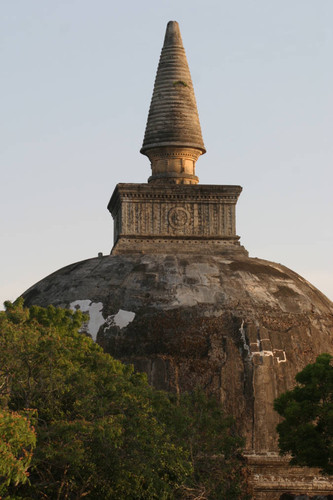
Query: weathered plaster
<point x="96" y="318"/>
<point x="121" y="319"/>
<point x="94" y="309"/>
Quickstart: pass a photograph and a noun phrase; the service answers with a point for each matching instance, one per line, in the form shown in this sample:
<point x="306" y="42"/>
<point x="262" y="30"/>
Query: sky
<point x="76" y="82"/>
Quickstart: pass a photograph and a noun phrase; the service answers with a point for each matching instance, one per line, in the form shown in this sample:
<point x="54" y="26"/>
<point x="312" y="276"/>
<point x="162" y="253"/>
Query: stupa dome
<point x="240" y="327"/>
<point x="180" y="298"/>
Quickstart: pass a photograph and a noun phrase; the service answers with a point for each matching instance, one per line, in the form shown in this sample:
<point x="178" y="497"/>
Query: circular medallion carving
<point x="178" y="217"/>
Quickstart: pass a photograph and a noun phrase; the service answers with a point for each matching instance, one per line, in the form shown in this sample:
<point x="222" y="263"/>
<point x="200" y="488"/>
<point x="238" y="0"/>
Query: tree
<point x="307" y="429"/>
<point x="219" y="471"/>
<point x="17" y="441"/>
<point x="102" y="431"/>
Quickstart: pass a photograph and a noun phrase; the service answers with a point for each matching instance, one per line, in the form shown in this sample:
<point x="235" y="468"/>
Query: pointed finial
<point x="172" y="35"/>
<point x="173" y="140"/>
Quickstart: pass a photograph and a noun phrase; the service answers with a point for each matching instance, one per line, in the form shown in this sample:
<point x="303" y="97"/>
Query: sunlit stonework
<point x="180" y="298"/>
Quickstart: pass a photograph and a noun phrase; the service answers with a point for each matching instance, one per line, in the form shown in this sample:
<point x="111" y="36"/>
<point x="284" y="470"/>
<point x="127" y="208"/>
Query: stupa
<point x="180" y="298"/>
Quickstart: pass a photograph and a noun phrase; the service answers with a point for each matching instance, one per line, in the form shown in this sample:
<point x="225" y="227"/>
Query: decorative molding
<point x="178" y="217"/>
<point x="190" y="153"/>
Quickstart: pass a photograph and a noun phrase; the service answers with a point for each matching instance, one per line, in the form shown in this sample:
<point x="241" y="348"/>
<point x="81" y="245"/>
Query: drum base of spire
<point x="173" y="164"/>
<point x="167" y="178"/>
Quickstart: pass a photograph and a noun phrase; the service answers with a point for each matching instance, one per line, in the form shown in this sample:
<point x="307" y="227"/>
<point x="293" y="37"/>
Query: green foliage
<point x="102" y="431"/>
<point x="180" y="82"/>
<point x="214" y="446"/>
<point x="17" y="441"/>
<point x="307" y="429"/>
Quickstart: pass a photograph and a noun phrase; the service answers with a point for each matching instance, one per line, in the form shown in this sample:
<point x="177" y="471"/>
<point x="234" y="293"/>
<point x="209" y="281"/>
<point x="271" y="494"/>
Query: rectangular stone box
<point x="162" y="218"/>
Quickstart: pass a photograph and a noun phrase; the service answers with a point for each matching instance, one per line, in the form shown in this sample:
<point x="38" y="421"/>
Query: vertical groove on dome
<point x="173" y="118"/>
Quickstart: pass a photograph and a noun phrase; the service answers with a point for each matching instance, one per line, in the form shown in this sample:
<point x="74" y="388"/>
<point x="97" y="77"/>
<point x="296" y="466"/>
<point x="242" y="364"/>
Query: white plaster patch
<point x="246" y="347"/>
<point x="94" y="309"/>
<point x="257" y="344"/>
<point x="121" y="319"/>
<point x="262" y="353"/>
<point x="275" y="353"/>
<point x="278" y="358"/>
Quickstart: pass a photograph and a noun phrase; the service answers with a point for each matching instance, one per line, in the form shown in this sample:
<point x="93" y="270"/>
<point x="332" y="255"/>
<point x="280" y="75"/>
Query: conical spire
<point x="173" y="140"/>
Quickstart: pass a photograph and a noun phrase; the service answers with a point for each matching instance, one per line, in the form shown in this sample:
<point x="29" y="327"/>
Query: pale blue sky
<point x="76" y="82"/>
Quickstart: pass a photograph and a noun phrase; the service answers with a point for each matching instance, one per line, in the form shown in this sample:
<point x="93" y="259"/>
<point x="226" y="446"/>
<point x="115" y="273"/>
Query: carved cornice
<point x="165" y="245"/>
<point x="215" y="240"/>
<point x="202" y="192"/>
<point x="182" y="153"/>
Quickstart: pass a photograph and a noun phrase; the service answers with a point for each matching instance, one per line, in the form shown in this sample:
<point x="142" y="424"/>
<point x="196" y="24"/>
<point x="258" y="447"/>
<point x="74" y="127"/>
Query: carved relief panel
<point x="204" y="212"/>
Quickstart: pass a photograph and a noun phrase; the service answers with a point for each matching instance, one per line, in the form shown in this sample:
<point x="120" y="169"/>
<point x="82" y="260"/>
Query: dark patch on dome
<point x="286" y="292"/>
<point x="31" y="295"/>
<point x="256" y="268"/>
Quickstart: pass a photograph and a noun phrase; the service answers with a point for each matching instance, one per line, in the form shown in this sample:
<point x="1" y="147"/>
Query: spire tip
<point x="173" y="37"/>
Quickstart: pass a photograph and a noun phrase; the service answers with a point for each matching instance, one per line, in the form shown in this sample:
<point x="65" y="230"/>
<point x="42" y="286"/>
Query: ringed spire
<point x="173" y="140"/>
